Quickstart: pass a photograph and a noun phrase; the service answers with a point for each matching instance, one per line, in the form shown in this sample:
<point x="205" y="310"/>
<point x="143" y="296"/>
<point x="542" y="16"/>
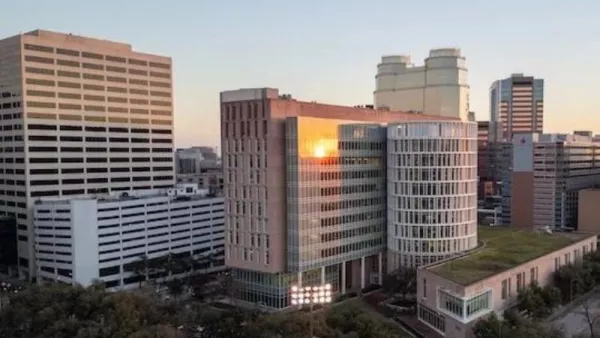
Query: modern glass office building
<point x="305" y="193"/>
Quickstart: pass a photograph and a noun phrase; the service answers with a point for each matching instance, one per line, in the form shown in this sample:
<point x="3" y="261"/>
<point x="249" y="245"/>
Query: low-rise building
<point x="210" y="178"/>
<point x="587" y="133"/>
<point x="83" y="239"/>
<point x="454" y="293"/>
<point x="201" y="166"/>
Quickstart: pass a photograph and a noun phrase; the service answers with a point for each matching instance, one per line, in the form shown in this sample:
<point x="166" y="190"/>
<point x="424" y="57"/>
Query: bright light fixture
<point x="318" y="294"/>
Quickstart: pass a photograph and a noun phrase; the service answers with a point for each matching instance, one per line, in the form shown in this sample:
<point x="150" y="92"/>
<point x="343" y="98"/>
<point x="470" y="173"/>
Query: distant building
<point x="87" y="238"/>
<point x="199" y="165"/>
<point x="483" y="131"/>
<point x="437" y="88"/>
<point x="452" y="295"/>
<point x="587" y="210"/>
<point x="471" y="116"/>
<point x="587" y="133"/>
<point x="517" y="103"/>
<point x="490" y="160"/>
<point x="192" y="160"/>
<point x="548" y="170"/>
<point x="484" y="176"/>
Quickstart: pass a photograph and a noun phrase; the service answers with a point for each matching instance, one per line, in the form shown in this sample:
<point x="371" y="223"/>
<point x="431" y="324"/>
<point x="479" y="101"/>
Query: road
<point x="574" y="322"/>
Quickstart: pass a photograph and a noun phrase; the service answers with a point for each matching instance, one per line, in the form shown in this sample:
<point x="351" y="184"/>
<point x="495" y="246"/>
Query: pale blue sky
<point x="328" y="50"/>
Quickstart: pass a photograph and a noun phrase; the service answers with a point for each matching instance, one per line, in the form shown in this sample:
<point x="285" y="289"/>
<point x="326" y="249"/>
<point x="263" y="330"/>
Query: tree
<point x="170" y="264"/>
<point x="591" y="315"/>
<point x="354" y="320"/>
<point x="176" y="287"/>
<point x="58" y="310"/>
<point x="490" y="327"/>
<point x="161" y="266"/>
<point x="576" y="279"/>
<point x="403" y="281"/>
<point x="531" y="300"/>
<point x="552" y="296"/>
<point x="513" y="325"/>
<point x="140" y="269"/>
<point x="227" y="286"/>
<point x="204" y="262"/>
<point x="158" y="331"/>
<point x="187" y="264"/>
<point x="227" y="324"/>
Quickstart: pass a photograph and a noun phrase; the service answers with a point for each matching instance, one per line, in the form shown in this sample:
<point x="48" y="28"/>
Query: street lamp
<point x="311" y="295"/>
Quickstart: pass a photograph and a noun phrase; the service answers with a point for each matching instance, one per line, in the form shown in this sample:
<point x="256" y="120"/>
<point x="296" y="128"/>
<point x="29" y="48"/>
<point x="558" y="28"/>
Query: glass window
<point x="478" y="304"/>
<point x="432" y="318"/>
<point x="451" y="303"/>
<point x="520" y="281"/>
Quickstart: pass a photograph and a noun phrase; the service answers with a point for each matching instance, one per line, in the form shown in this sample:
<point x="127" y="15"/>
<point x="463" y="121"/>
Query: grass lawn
<point x="504" y="248"/>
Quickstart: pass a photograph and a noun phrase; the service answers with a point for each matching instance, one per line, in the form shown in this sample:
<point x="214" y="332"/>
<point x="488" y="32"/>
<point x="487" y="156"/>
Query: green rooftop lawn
<point x="504" y="248"/>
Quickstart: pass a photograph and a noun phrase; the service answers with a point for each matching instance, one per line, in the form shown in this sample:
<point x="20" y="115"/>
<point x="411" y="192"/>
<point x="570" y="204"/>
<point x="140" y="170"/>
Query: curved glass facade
<point x="432" y="191"/>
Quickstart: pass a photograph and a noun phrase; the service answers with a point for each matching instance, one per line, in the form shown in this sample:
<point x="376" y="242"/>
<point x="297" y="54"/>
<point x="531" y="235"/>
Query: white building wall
<point x="104" y="234"/>
<point x="84" y="216"/>
<point x="439" y="87"/>
<point x="432" y="191"/>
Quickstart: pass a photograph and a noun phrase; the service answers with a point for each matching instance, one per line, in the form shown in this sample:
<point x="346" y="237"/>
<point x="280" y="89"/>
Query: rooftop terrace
<point x="504" y="249"/>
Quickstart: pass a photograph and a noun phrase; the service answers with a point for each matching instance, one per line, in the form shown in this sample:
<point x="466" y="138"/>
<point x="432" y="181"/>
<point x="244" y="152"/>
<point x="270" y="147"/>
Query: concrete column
<point x="362" y="272"/>
<point x="380" y="266"/>
<point x="343" y="278"/>
<point x="322" y="275"/>
<point x="300" y="279"/>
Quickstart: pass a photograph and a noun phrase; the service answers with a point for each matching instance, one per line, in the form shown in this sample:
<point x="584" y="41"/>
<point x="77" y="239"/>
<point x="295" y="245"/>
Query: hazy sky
<point x="328" y="50"/>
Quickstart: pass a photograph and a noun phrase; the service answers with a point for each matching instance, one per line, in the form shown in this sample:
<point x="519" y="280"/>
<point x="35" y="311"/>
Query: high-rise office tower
<point x="432" y="191"/>
<point x="79" y="116"/>
<point x="439" y="87"/>
<point x="517" y="105"/>
<point x="304" y="193"/>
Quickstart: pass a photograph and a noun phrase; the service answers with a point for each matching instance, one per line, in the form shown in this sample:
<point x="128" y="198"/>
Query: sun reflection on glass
<point x="319" y="151"/>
